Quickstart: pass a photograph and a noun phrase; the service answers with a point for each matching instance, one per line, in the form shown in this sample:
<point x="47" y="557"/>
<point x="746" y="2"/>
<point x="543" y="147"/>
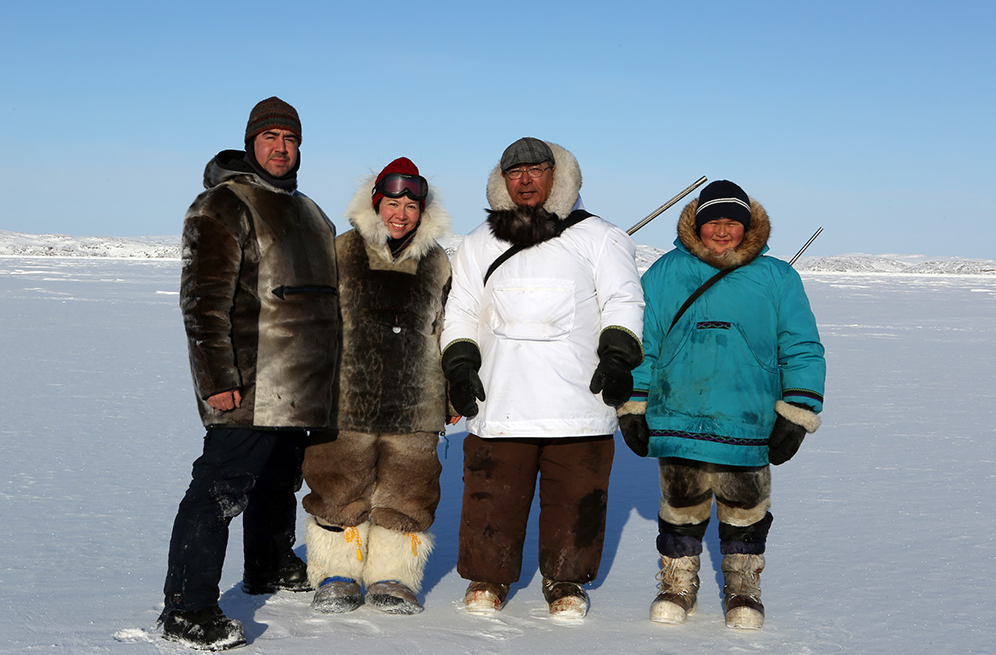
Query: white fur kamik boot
<point x="742" y="591"/>
<point x="336" y="560"/>
<point x="679" y="588"/>
<point x="395" y="566"/>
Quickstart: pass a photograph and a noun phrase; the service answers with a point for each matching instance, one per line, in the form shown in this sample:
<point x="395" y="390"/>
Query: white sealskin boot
<point x="336" y="560"/>
<point x="742" y="591"/>
<point x="568" y="600"/>
<point x="485" y="598"/>
<point x="394" y="570"/>
<point x="679" y="588"/>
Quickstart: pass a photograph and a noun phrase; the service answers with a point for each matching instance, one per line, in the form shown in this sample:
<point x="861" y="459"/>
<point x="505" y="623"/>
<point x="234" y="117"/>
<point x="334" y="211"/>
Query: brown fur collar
<point x="755" y="238"/>
<point x="434" y="224"/>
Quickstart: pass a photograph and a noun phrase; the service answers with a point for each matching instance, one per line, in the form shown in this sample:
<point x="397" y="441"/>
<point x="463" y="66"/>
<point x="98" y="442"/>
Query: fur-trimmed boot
<point x="679" y="589"/>
<point x="742" y="591"/>
<point x="394" y="570"/>
<point x="336" y="561"/>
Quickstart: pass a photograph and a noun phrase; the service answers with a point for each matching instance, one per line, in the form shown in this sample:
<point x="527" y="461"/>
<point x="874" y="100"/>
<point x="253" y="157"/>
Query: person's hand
<point x="785" y="440"/>
<point x="226" y="400"/>
<point x="461" y="362"/>
<point x="636" y="433"/>
<point x="465" y="390"/>
<point x="615" y="381"/>
<point x="792" y="422"/>
<point x="618" y="353"/>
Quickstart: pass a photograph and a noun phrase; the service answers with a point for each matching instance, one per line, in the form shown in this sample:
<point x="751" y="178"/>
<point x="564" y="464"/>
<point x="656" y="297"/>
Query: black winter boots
<point x="206" y="629"/>
<point x="290" y="575"/>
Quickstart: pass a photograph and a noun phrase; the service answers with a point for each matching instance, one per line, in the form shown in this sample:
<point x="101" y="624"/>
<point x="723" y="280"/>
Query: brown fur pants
<point x="391" y="480"/>
<point x="499" y="477"/>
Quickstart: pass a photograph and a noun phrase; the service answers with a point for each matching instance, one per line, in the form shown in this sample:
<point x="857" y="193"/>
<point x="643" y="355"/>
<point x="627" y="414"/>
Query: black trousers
<point x="241" y="471"/>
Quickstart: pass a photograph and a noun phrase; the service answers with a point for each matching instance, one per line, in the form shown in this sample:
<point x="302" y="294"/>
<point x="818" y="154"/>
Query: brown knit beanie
<point x="272" y="113"/>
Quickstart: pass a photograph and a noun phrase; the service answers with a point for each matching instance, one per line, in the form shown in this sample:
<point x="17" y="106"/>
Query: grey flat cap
<point x="526" y="150"/>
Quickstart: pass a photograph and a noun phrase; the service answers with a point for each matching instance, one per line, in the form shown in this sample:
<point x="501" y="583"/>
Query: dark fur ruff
<point x="755" y="238"/>
<point x="522" y="226"/>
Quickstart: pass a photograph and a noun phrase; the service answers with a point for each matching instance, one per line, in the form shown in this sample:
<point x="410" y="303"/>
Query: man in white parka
<point x="547" y="344"/>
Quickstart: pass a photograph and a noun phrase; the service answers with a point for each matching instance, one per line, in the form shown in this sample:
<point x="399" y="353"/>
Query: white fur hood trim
<point x="566" y="185"/>
<point x="435" y="223"/>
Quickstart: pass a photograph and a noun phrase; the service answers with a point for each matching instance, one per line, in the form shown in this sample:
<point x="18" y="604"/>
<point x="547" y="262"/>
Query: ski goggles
<point x="395" y="185"/>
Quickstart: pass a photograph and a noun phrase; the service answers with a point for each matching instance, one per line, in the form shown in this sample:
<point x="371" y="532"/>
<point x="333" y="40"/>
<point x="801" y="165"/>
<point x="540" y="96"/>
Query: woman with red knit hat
<point x="375" y="487"/>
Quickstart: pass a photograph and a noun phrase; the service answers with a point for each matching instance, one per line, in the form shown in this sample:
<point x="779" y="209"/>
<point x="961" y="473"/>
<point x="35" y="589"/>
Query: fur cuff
<point x="798" y="415"/>
<point x="632" y="407"/>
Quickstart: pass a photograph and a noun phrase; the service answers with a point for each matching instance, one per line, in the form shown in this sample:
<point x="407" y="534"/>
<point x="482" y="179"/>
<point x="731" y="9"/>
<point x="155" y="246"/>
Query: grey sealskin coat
<point x="259" y="297"/>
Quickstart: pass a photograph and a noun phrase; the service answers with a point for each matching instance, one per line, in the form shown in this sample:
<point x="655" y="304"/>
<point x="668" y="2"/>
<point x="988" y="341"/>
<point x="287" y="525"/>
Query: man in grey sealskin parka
<point x="259" y="297"/>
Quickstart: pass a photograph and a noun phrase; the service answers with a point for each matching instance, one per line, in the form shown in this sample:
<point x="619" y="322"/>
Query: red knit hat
<point x="272" y="113"/>
<point x="400" y="178"/>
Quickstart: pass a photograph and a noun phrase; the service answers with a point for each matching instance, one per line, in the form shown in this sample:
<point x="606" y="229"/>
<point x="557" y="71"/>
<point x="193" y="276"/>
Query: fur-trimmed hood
<point x="563" y="195"/>
<point x="754" y="245"/>
<point x="434" y="223"/>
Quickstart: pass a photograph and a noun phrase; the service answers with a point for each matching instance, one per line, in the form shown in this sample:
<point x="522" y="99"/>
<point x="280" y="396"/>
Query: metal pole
<point x="666" y="205"/>
<point x="803" y="249"/>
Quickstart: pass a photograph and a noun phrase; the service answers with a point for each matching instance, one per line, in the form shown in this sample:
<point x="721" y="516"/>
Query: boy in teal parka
<point x="727" y="387"/>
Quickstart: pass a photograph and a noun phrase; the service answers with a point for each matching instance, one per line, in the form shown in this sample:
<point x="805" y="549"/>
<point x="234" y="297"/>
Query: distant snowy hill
<point x="168" y="247"/>
<point x="61" y="245"/>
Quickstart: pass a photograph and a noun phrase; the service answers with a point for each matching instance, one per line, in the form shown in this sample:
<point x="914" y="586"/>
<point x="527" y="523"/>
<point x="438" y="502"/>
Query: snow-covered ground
<point x="883" y="540"/>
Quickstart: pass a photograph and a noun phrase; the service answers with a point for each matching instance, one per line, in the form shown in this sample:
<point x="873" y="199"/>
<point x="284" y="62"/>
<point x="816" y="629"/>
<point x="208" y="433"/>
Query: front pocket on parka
<point x="537" y="309"/>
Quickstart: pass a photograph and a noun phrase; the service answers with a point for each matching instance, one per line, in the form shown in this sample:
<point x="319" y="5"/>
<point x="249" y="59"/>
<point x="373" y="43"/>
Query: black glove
<point x="785" y="439"/>
<point x="614" y="381"/>
<point x="636" y="433"/>
<point x="618" y="353"/>
<point x="461" y="361"/>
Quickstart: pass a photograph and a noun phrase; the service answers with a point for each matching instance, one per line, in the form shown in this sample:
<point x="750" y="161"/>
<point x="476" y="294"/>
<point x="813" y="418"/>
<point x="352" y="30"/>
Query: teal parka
<point x="711" y="385"/>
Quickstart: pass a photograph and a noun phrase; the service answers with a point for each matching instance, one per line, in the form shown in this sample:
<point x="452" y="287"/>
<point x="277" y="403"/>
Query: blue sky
<point x="872" y="120"/>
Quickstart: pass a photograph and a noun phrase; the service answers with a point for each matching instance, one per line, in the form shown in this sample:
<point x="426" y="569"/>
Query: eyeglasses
<point x="534" y="172"/>
<point x="395" y="185"/>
